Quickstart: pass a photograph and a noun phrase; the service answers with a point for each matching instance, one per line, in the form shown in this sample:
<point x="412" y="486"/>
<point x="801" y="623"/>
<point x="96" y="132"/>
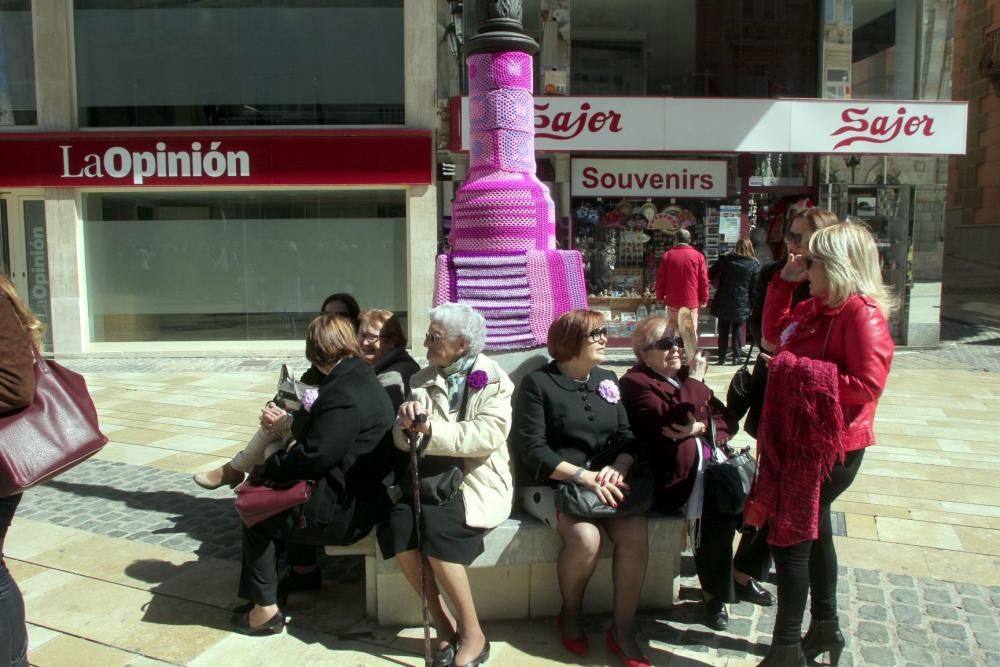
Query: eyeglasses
<point x="666" y="343"/>
<point x="792" y="237"/>
<point x="369" y="337"/>
<point x="810" y="260"/>
<point x="598" y="334"/>
<point x="430" y="337"/>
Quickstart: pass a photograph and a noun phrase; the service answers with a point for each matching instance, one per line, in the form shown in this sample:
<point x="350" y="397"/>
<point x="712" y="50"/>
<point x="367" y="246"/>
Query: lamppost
<point x="852" y="161"/>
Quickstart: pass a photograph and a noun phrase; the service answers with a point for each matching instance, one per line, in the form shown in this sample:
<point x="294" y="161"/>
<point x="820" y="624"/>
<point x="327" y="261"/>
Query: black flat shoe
<point x="716" y="616"/>
<point x="273" y="626"/>
<point x="481" y="658"/>
<point x="753" y="593"/>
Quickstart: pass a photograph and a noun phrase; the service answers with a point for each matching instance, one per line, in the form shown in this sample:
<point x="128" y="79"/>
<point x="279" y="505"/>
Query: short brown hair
<point x="329" y="339"/>
<point x="568" y="334"/>
<point x="392" y="329"/>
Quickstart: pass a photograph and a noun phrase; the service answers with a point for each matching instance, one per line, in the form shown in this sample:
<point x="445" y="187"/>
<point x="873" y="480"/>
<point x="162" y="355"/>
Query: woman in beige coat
<point x="460" y="407"/>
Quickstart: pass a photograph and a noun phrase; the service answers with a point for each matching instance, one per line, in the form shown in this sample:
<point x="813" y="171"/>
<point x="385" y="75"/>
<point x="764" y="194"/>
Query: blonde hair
<point x="817" y="218"/>
<point x="850" y="257"/>
<point x="644" y="335"/>
<point x="34" y="326"/>
<point x="744" y="247"/>
<point x="391" y="329"/>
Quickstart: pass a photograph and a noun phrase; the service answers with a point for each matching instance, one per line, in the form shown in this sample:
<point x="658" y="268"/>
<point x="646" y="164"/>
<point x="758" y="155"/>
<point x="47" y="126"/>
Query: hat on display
<point x="613" y="219"/>
<point x="624" y="207"/>
<point x="664" y="221"/>
<point x="649" y="210"/>
<point x="637" y="221"/>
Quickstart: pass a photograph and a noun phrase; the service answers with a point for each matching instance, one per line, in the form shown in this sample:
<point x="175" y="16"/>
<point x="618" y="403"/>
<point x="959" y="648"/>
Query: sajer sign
<point x="704" y="179"/>
<point x="706" y="125"/>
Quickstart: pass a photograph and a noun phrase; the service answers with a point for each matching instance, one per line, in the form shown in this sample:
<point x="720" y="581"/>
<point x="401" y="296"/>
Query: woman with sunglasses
<point x="459" y="408"/>
<point x="830" y="366"/>
<point x="567" y="413"/>
<point x="670" y="408"/>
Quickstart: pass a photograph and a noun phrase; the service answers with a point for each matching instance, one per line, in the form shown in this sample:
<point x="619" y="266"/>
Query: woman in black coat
<point x="343" y="443"/>
<point x="737" y="275"/>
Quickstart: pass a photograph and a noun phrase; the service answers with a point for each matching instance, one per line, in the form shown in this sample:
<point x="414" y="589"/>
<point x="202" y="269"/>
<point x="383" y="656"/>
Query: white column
<point x="420" y="56"/>
<point x="66" y="271"/>
<point x="54" y="89"/>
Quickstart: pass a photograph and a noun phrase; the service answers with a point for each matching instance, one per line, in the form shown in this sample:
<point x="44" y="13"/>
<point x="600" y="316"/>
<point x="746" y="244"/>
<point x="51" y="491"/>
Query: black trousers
<point x="810" y="567"/>
<point x="262" y="547"/>
<point x="13" y="633"/>
<point x="736" y="327"/>
<point x="713" y="558"/>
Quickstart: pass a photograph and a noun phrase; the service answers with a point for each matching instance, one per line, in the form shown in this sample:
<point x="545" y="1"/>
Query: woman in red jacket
<point x="830" y="366"/>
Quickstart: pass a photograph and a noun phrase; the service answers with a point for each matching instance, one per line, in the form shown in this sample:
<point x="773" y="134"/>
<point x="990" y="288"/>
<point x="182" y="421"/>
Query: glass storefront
<point x="17" y="64"/>
<point x="238" y="62"/>
<point x="204" y="266"/>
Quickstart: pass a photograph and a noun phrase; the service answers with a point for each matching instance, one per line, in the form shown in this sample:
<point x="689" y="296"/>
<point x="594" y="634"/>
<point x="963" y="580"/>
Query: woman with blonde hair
<point x="18" y="326"/>
<point x="736" y="276"/>
<point x="832" y="358"/>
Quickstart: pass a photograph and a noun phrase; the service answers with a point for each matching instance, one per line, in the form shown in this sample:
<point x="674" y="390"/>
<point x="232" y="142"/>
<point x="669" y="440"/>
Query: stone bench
<point x="515" y="576"/>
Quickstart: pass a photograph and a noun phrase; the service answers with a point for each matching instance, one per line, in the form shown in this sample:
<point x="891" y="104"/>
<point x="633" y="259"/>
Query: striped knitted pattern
<point x="504" y="262"/>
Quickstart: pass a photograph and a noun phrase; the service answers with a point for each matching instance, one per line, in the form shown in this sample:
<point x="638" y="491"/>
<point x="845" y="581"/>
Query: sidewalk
<point x="123" y="560"/>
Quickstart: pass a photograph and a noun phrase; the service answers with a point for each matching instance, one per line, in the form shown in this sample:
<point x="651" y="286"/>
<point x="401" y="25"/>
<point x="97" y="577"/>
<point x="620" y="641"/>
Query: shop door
<point x="24" y="254"/>
<point x="888" y="212"/>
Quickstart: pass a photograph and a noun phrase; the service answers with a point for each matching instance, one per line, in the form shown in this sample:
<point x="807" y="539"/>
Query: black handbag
<point x="579" y="501"/>
<point x="758" y="386"/>
<point x="738" y="396"/>
<point x="728" y="482"/>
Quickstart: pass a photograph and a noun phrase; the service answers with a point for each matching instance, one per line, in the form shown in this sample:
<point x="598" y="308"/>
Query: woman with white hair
<point x="460" y="405"/>
<point x="832" y="357"/>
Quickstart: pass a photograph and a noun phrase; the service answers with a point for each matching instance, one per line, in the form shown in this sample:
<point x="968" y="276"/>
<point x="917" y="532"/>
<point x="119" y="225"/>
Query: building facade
<point x="724" y="118"/>
<point x="199" y="176"/>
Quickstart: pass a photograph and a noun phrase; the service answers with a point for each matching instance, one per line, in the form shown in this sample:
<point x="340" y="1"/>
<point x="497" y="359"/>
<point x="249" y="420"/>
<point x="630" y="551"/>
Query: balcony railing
<point x="989" y="62"/>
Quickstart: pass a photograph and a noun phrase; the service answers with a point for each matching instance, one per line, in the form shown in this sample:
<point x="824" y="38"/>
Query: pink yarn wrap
<point x="504" y="261"/>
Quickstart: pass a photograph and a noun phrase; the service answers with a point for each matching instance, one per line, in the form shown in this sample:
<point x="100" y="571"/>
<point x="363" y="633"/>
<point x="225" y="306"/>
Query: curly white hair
<point x="459" y="319"/>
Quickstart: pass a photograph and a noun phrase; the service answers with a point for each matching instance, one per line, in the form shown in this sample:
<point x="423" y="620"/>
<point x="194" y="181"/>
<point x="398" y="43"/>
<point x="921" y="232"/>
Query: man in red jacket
<point x="682" y="280"/>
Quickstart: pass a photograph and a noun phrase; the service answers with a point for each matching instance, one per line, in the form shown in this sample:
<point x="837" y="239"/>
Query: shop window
<point x="239" y="62"/>
<point x="884" y="49"/>
<point x="17" y="64"/>
<point x="237" y="266"/>
<point x="724" y="48"/>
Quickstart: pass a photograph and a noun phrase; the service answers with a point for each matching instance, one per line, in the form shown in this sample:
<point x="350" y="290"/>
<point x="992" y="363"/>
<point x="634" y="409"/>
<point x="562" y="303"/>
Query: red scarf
<point x="798" y="444"/>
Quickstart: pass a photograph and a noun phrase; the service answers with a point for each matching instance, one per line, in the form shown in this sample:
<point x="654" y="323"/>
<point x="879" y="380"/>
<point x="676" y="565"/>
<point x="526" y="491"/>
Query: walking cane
<point x="415" y="480"/>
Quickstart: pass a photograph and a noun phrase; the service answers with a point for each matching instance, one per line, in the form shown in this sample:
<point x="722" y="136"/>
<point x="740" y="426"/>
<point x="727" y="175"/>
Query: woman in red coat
<point x="830" y="366"/>
<point x="670" y="408"/>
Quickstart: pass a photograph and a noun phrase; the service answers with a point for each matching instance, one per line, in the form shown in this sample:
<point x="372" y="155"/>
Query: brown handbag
<point x="57" y="431"/>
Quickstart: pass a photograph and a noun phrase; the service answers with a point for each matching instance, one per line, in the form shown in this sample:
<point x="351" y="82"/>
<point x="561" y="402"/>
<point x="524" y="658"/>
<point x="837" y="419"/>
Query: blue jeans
<point x="13" y="634"/>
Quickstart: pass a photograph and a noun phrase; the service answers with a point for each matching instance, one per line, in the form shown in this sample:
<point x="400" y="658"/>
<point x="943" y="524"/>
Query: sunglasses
<point x="666" y="343"/>
<point x="793" y="238"/>
<point x="809" y="260"/>
<point x="598" y="334"/>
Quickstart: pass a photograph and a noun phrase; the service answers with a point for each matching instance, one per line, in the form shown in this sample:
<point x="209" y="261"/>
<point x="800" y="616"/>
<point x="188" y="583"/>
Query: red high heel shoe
<point x="641" y="661"/>
<point x="576" y="645"/>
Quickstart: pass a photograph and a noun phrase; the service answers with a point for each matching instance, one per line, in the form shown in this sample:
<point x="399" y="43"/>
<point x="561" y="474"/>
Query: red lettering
<point x="597" y="121"/>
<point x="590" y="177"/>
<point x="707" y="182"/>
<point x="656" y="181"/>
<point x="541" y="120"/>
<point x="608" y="181"/>
<point x="616" y="119"/>
<point x="881" y="129"/>
<point x="640" y="180"/>
<point x="567" y="125"/>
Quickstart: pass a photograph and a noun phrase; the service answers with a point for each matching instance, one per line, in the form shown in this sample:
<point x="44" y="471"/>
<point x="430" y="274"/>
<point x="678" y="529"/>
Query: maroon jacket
<point x="17" y="366"/>
<point x="854" y="336"/>
<point x="652" y="403"/>
<point x="682" y="279"/>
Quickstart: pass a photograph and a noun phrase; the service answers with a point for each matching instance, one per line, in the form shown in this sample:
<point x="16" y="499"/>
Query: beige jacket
<point x="480" y="439"/>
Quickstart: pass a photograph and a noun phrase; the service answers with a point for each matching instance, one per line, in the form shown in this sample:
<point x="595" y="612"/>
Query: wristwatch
<point x="578" y="476"/>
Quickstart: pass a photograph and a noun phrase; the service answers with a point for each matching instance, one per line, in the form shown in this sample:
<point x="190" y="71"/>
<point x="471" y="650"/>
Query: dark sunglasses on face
<point x="809" y="260"/>
<point x="598" y="334"/>
<point x="666" y="343"/>
<point x="792" y="237"/>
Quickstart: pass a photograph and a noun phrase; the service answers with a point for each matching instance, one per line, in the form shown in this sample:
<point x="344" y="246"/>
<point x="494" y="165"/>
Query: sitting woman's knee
<point x="581" y="536"/>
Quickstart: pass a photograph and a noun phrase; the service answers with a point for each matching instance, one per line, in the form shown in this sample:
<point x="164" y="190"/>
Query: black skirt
<point x="444" y="533"/>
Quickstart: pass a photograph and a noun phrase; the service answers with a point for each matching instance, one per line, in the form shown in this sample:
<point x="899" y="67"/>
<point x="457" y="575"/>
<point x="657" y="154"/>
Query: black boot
<point x="782" y="655"/>
<point x="823" y="636"/>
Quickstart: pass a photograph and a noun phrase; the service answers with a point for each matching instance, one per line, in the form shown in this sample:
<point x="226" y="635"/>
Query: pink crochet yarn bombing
<point x="504" y="262"/>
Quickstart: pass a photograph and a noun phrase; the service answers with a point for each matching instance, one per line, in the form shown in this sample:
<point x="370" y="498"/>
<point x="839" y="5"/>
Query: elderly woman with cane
<point x="460" y="407"/>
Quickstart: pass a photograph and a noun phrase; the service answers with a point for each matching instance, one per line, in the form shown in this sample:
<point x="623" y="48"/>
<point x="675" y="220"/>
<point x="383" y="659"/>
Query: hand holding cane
<point x="414" y="438"/>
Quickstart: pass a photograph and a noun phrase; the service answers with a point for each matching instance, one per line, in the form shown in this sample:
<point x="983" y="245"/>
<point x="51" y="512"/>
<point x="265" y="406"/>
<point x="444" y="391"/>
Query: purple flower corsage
<point x="309" y="397"/>
<point x="609" y="391"/>
<point x="478" y="379"/>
